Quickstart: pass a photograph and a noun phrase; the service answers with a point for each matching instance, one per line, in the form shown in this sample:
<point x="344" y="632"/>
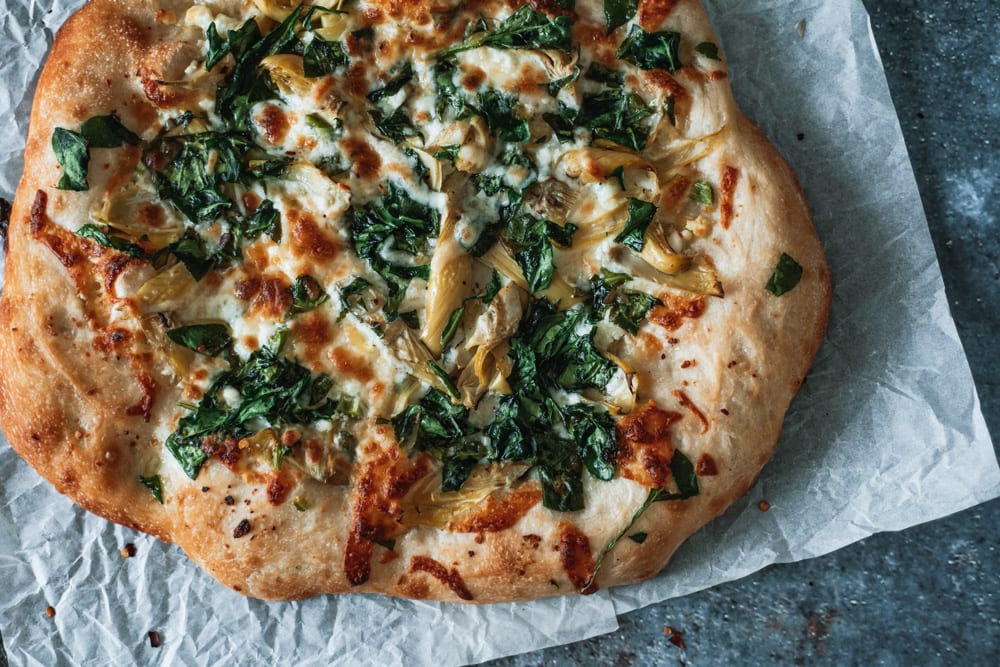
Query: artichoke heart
<point x="287" y="74"/>
<point x="699" y="277"/>
<point x="427" y="505"/>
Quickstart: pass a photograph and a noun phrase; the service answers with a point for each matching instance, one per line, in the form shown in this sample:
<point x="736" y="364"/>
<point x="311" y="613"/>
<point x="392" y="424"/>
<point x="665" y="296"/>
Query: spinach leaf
<point x="594" y="432"/>
<point x="618" y="12"/>
<point x="99" y="235"/>
<point x="448" y="95"/>
<point x="687" y="482"/>
<point x="527" y="238"/>
<point x="601" y="74"/>
<point x="107" y="132"/>
<point x="638" y="537"/>
<point x="265" y="220"/>
<point x="445" y="379"/>
<point x="625" y="308"/>
<point x="324" y="58"/>
<point x="499" y="111"/>
<point x="307" y="294"/>
<point x="709" y="50"/>
<point x="787" y="274"/>
<point x="554" y="87"/>
<point x="155" y="486"/>
<point x="524" y="29"/>
<point x="209" y="339"/>
<point x="395" y="127"/>
<point x="640" y="215"/>
<point x="449" y="152"/>
<point x="72" y="155"/>
<point x="616" y="115"/>
<point x="561" y="474"/>
<point x="394" y="84"/>
<point x="562" y="123"/>
<point x="651" y="50"/>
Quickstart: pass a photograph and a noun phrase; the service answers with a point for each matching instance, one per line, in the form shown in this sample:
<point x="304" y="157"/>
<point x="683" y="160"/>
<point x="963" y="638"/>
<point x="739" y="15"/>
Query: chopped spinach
<point x="395" y="127"/>
<point x="210" y="339"/>
<point x="601" y="74"/>
<point x="554" y="87"/>
<point x="272" y="390"/>
<point x="527" y="237"/>
<point x="448" y="95"/>
<point x="396" y="222"/>
<point x="324" y="58"/>
<point x="247" y="84"/>
<point x="616" y="115"/>
<point x="651" y="50"/>
<point x="394" y="84"/>
<point x="787" y="274"/>
<point x="618" y="12"/>
<point x="500" y="112"/>
<point x="563" y="122"/>
<point x="100" y="235"/>
<point x="190" y="170"/>
<point x="307" y="294"/>
<point x="623" y="307"/>
<point x="524" y="29"/>
<point x="640" y="215"/>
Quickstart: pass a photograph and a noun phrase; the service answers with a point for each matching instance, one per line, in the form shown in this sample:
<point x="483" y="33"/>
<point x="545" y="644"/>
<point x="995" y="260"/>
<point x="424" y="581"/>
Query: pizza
<point x="471" y="301"/>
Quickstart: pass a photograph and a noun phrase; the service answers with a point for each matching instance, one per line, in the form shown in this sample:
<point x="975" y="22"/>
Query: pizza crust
<point x="85" y="406"/>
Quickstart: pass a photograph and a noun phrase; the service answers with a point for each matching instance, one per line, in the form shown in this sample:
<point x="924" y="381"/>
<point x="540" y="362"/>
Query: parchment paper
<point x="886" y="433"/>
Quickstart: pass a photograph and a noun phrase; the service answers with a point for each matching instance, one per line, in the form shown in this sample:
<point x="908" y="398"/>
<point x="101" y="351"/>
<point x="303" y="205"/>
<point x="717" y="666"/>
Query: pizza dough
<point x="456" y="301"/>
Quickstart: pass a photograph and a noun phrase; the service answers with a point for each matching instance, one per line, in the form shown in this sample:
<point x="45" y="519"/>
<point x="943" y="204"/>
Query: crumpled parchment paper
<point x="886" y="433"/>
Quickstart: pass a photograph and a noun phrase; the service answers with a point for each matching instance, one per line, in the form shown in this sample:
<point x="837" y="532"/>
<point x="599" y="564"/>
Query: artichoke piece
<point x="310" y="185"/>
<point x="490" y="364"/>
<point x="168" y="289"/>
<point x="276" y="10"/>
<point x="138" y="212"/>
<point x="700" y="276"/>
<point x="680" y="154"/>
<point x="287" y="74"/>
<point x="499" y="258"/>
<point x="406" y="346"/>
<point x="659" y="254"/>
<point x="450" y="271"/>
<point x="552" y="199"/>
<point x="592" y="164"/>
<point x="427" y="505"/>
<point x="475" y="142"/>
<point x="435" y="174"/>
<point x="180" y="358"/>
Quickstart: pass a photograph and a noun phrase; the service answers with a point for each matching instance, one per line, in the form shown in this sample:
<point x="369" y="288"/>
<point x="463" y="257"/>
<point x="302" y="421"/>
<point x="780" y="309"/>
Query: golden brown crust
<point x="84" y="403"/>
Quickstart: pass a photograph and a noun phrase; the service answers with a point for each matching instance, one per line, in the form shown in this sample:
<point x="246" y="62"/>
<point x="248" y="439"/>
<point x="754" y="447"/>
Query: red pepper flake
<point x="229" y="500"/>
<point x="763" y="506"/>
<point x="675" y="637"/>
<point x="128" y="551"/>
<point x="242" y="528"/>
<point x="50" y="611"/>
<point x="154" y="638"/>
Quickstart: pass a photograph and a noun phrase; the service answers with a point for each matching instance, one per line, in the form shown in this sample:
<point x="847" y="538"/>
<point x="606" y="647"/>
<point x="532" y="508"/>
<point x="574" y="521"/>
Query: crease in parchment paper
<point x="886" y="433"/>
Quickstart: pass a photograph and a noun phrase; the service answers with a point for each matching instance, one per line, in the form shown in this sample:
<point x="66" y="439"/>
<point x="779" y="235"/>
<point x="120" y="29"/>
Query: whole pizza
<point x="471" y="301"/>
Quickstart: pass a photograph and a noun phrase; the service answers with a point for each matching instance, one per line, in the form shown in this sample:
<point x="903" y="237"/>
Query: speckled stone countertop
<point x="931" y="594"/>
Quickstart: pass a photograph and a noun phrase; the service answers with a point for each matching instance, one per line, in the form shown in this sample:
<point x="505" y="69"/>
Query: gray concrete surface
<point x="929" y="595"/>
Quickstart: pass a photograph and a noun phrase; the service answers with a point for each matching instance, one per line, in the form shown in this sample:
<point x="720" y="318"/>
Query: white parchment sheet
<point x="886" y="433"/>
